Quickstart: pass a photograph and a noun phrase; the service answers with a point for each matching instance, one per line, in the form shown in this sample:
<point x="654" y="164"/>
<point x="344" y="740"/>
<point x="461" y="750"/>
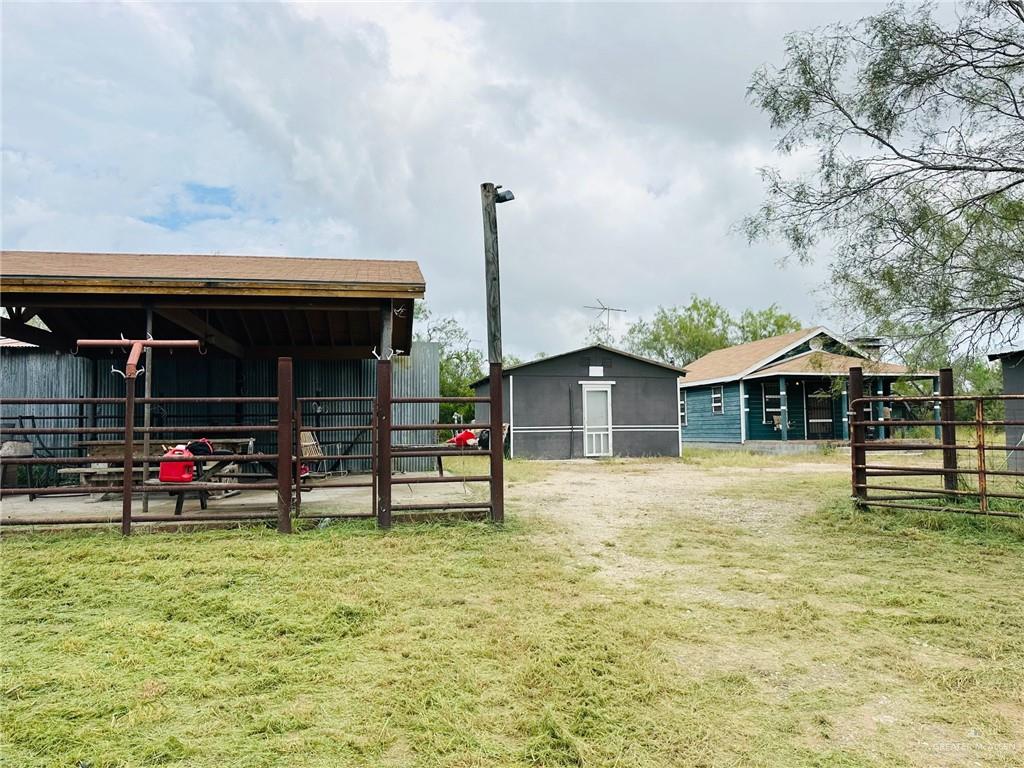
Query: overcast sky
<point x="365" y="131"/>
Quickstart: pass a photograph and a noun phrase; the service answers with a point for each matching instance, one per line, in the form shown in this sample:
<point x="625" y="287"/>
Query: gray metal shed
<point x="590" y="402"/>
<point x="1012" y="361"/>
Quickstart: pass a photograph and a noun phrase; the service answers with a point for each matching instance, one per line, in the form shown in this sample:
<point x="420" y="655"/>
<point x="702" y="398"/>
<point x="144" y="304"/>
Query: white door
<point x="597" y="420"/>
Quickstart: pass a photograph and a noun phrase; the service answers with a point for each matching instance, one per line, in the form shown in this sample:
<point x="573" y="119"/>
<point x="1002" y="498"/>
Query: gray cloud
<point x="364" y="131"/>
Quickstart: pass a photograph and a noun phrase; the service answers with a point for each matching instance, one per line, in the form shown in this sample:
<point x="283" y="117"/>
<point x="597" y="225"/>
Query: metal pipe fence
<point x="975" y="466"/>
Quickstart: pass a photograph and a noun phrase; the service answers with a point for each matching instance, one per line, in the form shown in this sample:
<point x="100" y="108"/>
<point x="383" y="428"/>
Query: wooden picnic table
<point x="106" y="451"/>
<point x="207" y="469"/>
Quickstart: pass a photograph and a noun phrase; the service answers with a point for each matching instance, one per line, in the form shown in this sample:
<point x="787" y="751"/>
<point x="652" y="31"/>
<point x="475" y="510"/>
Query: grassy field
<point x="747" y="616"/>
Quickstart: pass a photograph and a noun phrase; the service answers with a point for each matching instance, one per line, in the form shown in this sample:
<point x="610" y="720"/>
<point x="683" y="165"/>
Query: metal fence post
<point x="979" y="426"/>
<point x="384" y="443"/>
<point x="858" y="454"/>
<point x="284" y="445"/>
<point x="128" y="466"/>
<point x="497" y="454"/>
<point x="298" y="457"/>
<point x="950" y="478"/>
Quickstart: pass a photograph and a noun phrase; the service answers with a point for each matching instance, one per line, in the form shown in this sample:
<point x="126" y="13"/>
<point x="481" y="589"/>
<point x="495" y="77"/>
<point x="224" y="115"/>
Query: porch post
<point x="880" y="391"/>
<point x="845" y="403"/>
<point x="783" y="409"/>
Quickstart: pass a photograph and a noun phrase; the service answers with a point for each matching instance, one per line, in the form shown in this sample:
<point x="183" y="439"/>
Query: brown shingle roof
<point x="831" y="364"/>
<point x="733" y="362"/>
<point x="42" y="268"/>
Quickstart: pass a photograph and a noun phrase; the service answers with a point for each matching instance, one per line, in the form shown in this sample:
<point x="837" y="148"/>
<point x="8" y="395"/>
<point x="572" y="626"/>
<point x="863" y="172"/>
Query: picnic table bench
<point x="101" y="473"/>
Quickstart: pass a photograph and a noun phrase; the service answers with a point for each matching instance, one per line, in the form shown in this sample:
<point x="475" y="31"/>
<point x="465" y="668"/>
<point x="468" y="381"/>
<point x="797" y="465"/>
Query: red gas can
<point x="177" y="471"/>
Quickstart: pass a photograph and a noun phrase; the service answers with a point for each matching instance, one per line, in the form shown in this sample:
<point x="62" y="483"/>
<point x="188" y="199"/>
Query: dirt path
<point x="595" y="504"/>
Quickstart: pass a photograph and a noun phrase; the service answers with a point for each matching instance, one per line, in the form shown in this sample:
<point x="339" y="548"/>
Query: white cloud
<point x="365" y="130"/>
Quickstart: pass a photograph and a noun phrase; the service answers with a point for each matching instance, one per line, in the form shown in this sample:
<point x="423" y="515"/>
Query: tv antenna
<point x="604" y="309"/>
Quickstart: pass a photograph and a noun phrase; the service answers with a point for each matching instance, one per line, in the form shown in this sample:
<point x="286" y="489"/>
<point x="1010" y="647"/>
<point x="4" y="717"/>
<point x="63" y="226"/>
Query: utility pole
<point x="490" y="196"/>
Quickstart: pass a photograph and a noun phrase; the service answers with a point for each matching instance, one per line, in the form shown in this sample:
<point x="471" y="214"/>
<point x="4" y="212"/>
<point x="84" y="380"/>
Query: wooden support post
<point x="384" y="444"/>
<point x="284" y="444"/>
<point x="491" y="273"/>
<point x="783" y="408"/>
<point x="845" y="409"/>
<point x="128" y="467"/>
<point x="880" y="391"/>
<point x="948" y="411"/>
<point x="497" y="445"/>
<point x="855" y="415"/>
<point x="488" y="200"/>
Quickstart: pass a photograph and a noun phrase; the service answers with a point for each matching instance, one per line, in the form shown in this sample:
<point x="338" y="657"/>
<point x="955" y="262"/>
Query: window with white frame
<point x="771" y="401"/>
<point x="682" y="407"/>
<point x="717" y="400"/>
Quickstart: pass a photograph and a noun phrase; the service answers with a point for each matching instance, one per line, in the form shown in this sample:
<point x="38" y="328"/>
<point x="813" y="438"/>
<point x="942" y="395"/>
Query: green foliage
<point x="918" y="130"/>
<point x="680" y="335"/>
<point x="765" y="323"/>
<point x="460" y="363"/>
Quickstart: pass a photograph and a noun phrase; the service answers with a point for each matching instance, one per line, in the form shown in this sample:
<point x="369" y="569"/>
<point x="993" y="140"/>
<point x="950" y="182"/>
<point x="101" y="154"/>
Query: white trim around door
<point x="597" y="438"/>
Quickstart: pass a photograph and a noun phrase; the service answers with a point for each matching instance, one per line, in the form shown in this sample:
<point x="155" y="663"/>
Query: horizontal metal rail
<point x="87" y="460"/>
<point x="396" y="400"/>
<point x="443" y="479"/>
<point x="197" y="428"/>
<point x="398" y="453"/>
<point x="441" y="505"/>
<point x="931" y="398"/>
<point x="961" y="510"/>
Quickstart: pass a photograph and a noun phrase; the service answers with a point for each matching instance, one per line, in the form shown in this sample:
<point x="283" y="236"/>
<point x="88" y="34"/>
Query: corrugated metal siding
<point x="33" y="372"/>
<point x="38" y="373"/>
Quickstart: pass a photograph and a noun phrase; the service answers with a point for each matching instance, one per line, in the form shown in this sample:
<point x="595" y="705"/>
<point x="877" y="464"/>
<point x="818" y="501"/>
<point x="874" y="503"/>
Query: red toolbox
<point x="177" y="471"/>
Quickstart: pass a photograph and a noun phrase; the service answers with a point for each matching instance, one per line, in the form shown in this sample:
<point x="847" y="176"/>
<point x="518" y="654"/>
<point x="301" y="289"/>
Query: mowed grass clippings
<point x="430" y="645"/>
<point x="862" y="637"/>
<point x="807" y="634"/>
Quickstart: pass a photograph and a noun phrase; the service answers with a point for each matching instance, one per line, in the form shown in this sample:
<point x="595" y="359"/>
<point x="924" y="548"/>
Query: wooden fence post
<point x="950" y="478"/>
<point x="497" y="454"/>
<point x="284" y="444"/>
<point x="858" y="454"/>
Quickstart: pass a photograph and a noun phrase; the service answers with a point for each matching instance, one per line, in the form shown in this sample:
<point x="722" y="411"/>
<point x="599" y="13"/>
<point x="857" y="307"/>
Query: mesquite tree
<point x="918" y="182"/>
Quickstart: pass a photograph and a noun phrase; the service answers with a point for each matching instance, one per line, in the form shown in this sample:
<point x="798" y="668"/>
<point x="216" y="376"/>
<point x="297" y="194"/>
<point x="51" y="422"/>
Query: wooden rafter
<point x="194" y="324"/>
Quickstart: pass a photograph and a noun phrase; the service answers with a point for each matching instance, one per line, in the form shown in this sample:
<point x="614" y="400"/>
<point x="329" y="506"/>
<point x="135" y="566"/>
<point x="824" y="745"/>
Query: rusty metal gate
<point x="966" y="463"/>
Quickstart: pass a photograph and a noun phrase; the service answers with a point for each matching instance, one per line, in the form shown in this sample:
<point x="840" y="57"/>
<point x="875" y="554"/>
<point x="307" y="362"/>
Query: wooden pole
<point x="948" y="411"/>
<point x="491" y="274"/>
<point x="493" y="285"/>
<point x="855" y="416"/>
<point x="284" y="445"/>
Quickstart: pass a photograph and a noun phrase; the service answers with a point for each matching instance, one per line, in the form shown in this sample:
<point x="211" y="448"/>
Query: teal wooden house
<point x="790" y="387"/>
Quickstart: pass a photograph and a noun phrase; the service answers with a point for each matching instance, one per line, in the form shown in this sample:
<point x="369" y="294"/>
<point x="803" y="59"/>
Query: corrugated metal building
<point x="29" y="371"/>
